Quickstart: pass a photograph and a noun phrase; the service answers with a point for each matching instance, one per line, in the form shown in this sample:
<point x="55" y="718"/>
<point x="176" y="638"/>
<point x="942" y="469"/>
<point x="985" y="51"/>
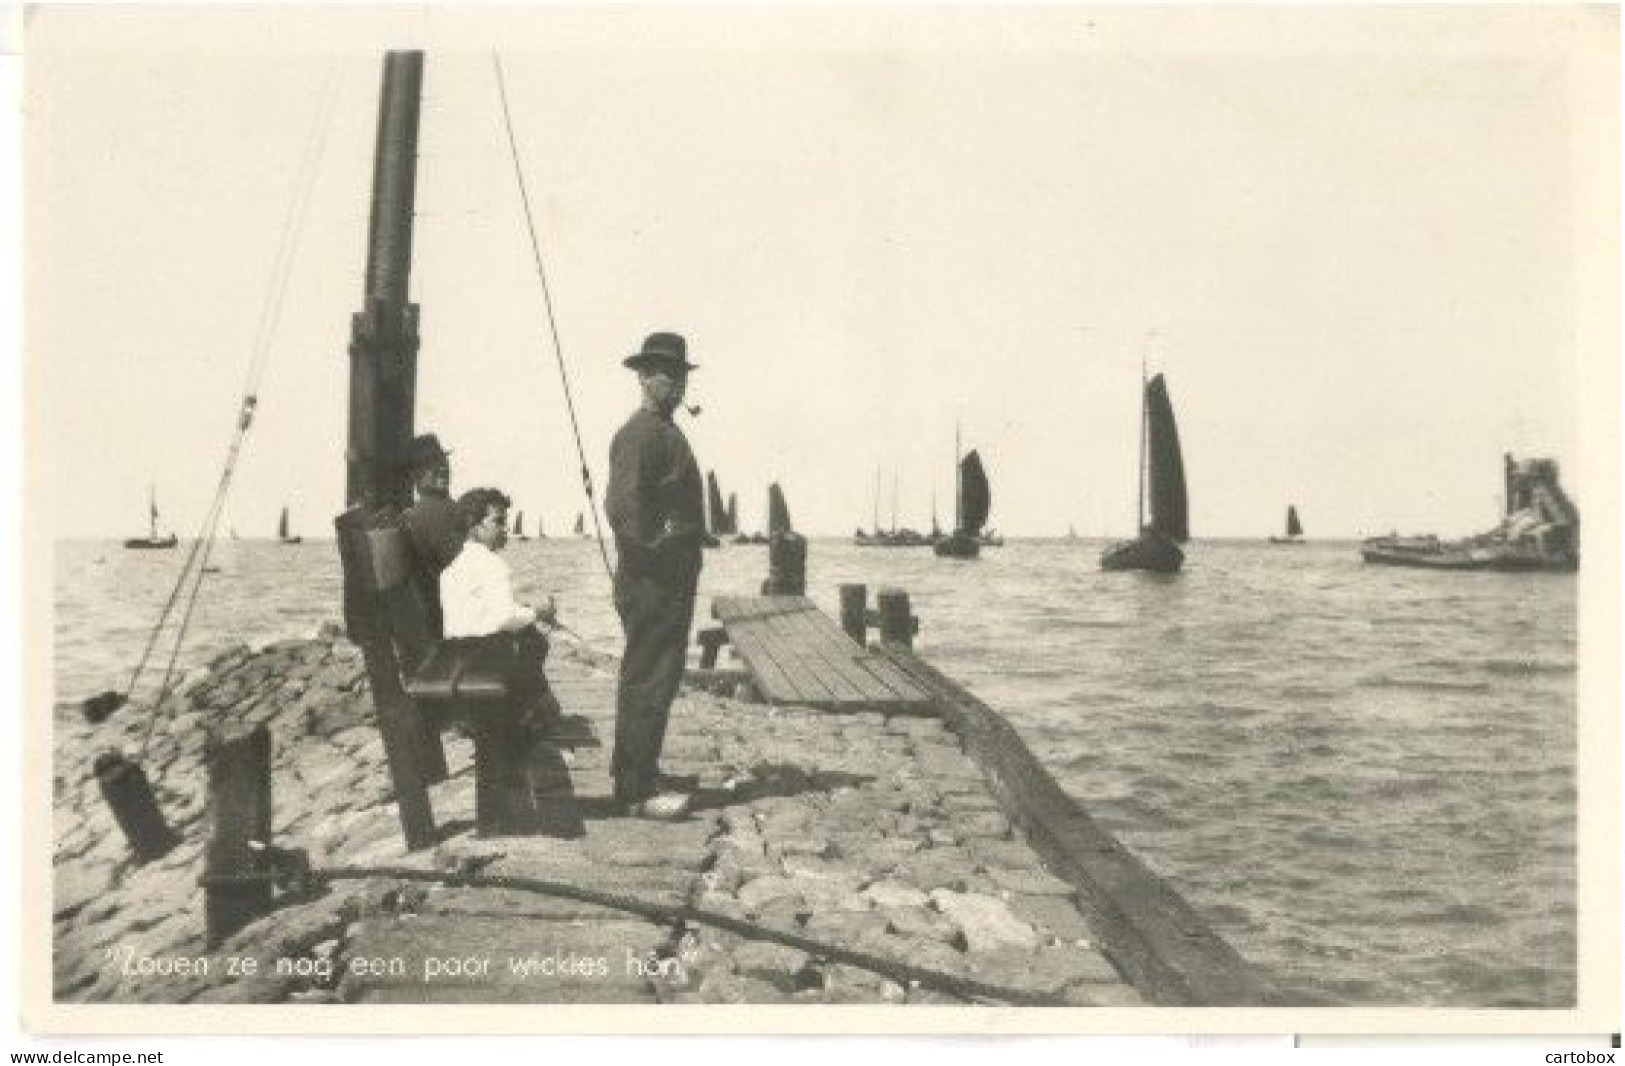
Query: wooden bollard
<point x="129" y="794"/>
<point x="897" y="624"/>
<point x="855" y="612"/>
<point x="786" y="565"/>
<point x="237" y="887"/>
<point x="710" y="641"/>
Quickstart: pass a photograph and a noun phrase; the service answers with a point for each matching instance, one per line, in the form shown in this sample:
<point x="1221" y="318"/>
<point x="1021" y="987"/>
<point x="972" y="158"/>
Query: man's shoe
<point x="664" y="806"/>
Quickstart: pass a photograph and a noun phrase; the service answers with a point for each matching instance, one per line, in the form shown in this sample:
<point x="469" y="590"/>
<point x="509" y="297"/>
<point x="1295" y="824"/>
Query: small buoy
<point x="129" y="794"/>
<point x="99" y="707"/>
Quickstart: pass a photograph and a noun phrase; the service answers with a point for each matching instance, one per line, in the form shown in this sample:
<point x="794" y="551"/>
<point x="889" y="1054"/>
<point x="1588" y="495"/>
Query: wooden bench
<point x="421" y="686"/>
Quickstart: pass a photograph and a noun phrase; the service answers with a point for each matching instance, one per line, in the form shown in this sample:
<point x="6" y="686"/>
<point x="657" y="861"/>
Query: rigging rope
<point x="195" y="566"/>
<point x="552" y="320"/>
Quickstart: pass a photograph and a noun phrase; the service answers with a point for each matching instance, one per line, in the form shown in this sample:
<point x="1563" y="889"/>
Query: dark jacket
<point x="435" y="528"/>
<point x="655" y="500"/>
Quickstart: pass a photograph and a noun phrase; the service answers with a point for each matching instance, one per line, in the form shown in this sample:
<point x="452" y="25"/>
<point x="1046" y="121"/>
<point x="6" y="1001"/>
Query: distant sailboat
<point x="152" y="539"/>
<point x="282" y="530"/>
<point x="1294" y="528"/>
<point x="893" y="537"/>
<point x="1157" y="546"/>
<point x="716" y="513"/>
<point x="519" y="526"/>
<point x="581" y="525"/>
<point x="778" y="512"/>
<point x="972" y="501"/>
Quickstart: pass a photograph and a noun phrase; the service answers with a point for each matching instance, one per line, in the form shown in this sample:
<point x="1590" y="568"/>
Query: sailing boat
<point x="972" y="501"/>
<point x="716" y="513"/>
<point x="1157" y="546"/>
<point x="519" y="526"/>
<point x="778" y="512"/>
<point x="581" y="524"/>
<point x="282" y="530"/>
<point x="152" y="539"/>
<point x="1294" y="529"/>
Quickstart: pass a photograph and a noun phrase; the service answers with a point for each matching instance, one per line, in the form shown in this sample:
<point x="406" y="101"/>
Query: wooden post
<point x="127" y="792"/>
<point x="711" y="641"/>
<point x="897" y="624"/>
<point x="786" y="565"/>
<point x="855" y="612"/>
<point x="237" y="889"/>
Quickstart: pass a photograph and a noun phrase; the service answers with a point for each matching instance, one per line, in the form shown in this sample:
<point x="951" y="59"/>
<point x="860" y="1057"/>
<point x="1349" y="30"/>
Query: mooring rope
<point x="904" y="973"/>
<point x="195" y="566"/>
<point x="547" y="303"/>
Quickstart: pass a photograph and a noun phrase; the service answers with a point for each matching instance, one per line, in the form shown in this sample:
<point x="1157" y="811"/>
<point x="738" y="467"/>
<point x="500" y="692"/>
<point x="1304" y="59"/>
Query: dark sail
<point x="975" y="499"/>
<point x="1168" y="503"/>
<point x="519" y="525"/>
<point x="282" y="525"/>
<point x="733" y="514"/>
<point x="1293" y="527"/>
<point x="718" y="523"/>
<point x="778" y="512"/>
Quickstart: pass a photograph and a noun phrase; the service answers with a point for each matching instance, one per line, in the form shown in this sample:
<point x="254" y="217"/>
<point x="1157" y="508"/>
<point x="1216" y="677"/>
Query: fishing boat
<point x="778" y="512"/>
<point x="893" y="537"/>
<point x="1294" y="528"/>
<point x="972" y="501"/>
<point x="1539" y="531"/>
<point x="282" y="535"/>
<point x="581" y="525"/>
<point x="152" y="540"/>
<point x="1162" y="477"/>
<point x="716" y="513"/>
<point x="519" y="526"/>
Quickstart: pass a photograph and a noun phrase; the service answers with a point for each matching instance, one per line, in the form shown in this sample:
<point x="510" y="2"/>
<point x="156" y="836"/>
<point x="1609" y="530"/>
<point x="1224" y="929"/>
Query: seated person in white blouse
<point x="481" y="615"/>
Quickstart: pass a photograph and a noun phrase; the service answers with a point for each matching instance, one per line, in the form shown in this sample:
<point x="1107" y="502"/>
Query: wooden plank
<point x="876" y="676"/>
<point x="810" y="688"/>
<point x="855" y="683"/>
<point x="771" y="682"/>
<point x="776" y="686"/>
<point x="899" y="682"/>
<point x="791" y="630"/>
<point x="800" y="656"/>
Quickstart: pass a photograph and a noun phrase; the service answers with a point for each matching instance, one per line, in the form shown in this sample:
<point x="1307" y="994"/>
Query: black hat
<point x="663" y="350"/>
<point x="424" y="451"/>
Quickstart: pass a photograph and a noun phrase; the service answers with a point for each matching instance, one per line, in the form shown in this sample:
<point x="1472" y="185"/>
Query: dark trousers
<point x="520" y="656"/>
<point x="655" y="617"/>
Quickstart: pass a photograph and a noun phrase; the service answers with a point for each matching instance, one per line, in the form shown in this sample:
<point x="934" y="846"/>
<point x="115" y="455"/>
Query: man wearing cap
<point x="655" y="508"/>
<point x="433" y="524"/>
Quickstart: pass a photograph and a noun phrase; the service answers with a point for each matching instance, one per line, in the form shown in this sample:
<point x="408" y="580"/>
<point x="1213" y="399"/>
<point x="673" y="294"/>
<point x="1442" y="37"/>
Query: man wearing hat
<point x="655" y="508"/>
<point x="434" y="524"/>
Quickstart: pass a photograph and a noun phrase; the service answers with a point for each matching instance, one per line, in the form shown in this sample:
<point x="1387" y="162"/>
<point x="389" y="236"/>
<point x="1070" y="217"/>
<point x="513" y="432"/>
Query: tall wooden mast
<point x="384" y="333"/>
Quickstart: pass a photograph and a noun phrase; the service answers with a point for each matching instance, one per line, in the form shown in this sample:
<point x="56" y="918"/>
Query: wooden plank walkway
<point x="796" y="654"/>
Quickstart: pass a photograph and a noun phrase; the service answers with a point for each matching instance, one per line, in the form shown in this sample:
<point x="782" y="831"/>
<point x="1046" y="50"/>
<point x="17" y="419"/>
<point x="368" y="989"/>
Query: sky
<point x="1371" y="251"/>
